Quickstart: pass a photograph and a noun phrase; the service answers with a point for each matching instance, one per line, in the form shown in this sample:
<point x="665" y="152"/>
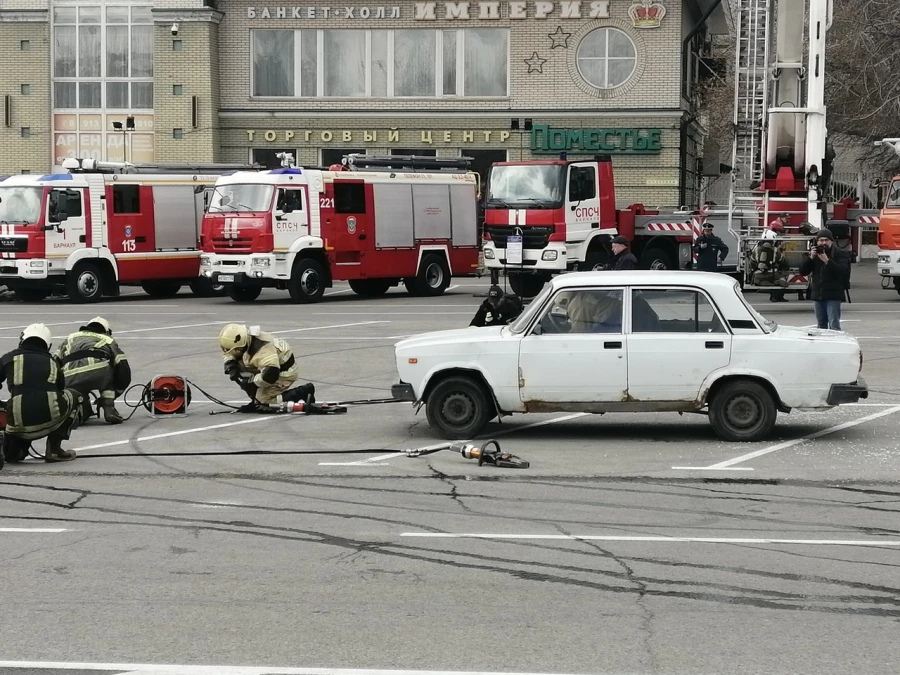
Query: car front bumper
<point x="403" y="392"/>
<point x="848" y="393"/>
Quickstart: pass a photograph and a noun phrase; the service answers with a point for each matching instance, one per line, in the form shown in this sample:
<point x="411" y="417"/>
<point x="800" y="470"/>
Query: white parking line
<point x="62" y="323"/>
<point x="185" y="325"/>
<point x="340" y="325"/>
<point x="150" y="669"/>
<point x="726" y="465"/>
<point x="661" y="539"/>
<point x="372" y="461"/>
<point x="33" y="530"/>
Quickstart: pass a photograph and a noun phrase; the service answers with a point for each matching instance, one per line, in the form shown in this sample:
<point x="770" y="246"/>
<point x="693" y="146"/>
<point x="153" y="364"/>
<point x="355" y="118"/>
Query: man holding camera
<point x="828" y="268"/>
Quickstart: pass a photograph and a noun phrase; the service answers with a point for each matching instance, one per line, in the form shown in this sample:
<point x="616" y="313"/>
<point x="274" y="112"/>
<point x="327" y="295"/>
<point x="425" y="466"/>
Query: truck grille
<point x="533" y="236"/>
<point x="241" y="245"/>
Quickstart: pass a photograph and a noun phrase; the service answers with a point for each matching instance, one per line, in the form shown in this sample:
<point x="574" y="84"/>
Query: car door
<point x="582" y="201"/>
<point x="291" y="218"/>
<point x="574" y="354"/>
<point x="676" y="339"/>
<point x="70" y="234"/>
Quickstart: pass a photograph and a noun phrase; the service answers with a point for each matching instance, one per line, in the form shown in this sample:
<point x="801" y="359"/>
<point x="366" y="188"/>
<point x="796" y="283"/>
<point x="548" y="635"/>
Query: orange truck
<point x="889" y="238"/>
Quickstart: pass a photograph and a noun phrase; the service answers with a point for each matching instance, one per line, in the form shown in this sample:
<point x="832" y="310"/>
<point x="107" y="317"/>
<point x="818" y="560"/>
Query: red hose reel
<point x="168" y="395"/>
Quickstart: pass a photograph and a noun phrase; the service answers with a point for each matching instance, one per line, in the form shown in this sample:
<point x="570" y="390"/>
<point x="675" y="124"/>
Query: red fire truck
<point x="372" y="221"/>
<point x="103" y="225"/>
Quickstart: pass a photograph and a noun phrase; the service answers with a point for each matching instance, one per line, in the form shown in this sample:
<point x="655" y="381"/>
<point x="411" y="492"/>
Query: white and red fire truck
<point x="561" y="215"/>
<point x="103" y="225"/>
<point x="372" y="221"/>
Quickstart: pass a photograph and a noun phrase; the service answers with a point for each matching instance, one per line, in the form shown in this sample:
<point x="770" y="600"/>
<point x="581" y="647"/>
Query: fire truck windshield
<point x="535" y="184"/>
<point x="20" y="205"/>
<point x="241" y="197"/>
<point x="893" y="200"/>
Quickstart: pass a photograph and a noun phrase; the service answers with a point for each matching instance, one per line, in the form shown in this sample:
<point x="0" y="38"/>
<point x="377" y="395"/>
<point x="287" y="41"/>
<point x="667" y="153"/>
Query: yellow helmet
<point x="234" y="338"/>
<point x="36" y="330"/>
<point x="100" y="321"/>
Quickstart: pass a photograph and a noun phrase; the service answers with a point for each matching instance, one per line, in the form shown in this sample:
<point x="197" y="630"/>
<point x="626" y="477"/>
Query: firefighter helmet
<point x="103" y="323"/>
<point x="36" y="330"/>
<point x="234" y="338"/>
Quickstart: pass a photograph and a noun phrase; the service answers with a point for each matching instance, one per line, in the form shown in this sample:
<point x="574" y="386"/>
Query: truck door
<point x="291" y="217"/>
<point x="129" y="219"/>
<point x="582" y="201"/>
<point x="350" y="223"/>
<point x="66" y="214"/>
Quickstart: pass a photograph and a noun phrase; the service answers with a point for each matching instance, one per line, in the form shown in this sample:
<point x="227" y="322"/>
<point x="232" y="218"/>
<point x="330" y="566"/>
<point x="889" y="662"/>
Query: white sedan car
<point x="642" y="341"/>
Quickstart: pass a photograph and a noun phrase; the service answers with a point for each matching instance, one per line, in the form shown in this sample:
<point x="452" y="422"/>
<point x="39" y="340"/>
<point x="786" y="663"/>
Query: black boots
<point x="54" y="451"/>
<point x="305" y="392"/>
<point x="110" y="414"/>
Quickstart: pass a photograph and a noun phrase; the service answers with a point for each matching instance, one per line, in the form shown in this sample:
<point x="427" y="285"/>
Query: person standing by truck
<point x="622" y="258"/>
<point x="709" y="249"/>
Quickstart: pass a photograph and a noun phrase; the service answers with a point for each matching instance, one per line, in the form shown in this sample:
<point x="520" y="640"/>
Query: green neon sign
<point x="547" y="140"/>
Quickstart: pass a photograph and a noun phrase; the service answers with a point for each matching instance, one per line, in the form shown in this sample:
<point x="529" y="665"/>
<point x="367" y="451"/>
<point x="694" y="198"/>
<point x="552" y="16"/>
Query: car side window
<point x="673" y="310"/>
<point x="583" y="311"/>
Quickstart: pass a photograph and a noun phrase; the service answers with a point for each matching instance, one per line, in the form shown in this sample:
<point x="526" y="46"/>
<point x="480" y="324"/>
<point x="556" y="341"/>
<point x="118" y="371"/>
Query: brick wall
<point x="30" y="107"/>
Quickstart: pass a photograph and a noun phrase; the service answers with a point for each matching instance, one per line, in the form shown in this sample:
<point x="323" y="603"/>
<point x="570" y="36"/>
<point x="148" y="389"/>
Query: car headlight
<point x="550" y="255"/>
<point x="488" y="254"/>
<point x="261" y="262"/>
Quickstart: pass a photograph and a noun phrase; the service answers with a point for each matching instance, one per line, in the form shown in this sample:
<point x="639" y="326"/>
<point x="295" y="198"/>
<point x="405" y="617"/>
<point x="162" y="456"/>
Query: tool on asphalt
<point x="169" y="395"/>
<point x="487" y="453"/>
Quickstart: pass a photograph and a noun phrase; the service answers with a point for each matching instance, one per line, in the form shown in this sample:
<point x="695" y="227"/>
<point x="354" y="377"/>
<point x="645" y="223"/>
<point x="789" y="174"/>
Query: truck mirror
<point x="59" y="210"/>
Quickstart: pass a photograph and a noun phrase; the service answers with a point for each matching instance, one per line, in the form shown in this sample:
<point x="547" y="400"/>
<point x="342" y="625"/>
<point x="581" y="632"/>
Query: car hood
<point x="457" y="336"/>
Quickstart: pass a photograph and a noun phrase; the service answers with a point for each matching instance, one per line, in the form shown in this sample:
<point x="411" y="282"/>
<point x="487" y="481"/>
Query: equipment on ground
<point x="488" y="452"/>
<point x="169" y="395"/>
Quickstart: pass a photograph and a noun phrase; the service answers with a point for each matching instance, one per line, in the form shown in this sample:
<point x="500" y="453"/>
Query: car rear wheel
<point x="742" y="410"/>
<point x="458" y="408"/>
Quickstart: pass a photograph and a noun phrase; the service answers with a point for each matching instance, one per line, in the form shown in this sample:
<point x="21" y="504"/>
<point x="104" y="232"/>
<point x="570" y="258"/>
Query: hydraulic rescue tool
<point x="487" y="453"/>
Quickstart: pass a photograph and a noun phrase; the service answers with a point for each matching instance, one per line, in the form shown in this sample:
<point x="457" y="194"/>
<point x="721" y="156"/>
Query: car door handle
<point x="715" y="345"/>
<point x="141" y="240"/>
<point x="612" y="345"/>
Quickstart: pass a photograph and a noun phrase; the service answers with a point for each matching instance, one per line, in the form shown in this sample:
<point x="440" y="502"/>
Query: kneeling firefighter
<point x="263" y="366"/>
<point x="39" y="406"/>
<point x="93" y="361"/>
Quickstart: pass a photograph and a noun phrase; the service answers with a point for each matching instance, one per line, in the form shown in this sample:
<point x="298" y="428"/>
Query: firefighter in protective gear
<point x="769" y="265"/>
<point x="93" y="361"/>
<point x="40" y="406"/>
<point x="262" y="365"/>
<point x="499" y="309"/>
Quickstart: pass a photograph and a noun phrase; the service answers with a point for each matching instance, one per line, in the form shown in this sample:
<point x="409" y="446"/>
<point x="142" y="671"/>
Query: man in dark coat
<point x="622" y="258"/>
<point x="709" y="249"/>
<point x="828" y="269"/>
<point x="498" y="310"/>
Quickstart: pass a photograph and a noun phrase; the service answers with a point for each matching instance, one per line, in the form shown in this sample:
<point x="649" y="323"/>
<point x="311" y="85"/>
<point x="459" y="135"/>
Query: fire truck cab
<point x="889" y="237"/>
<point x="371" y="221"/>
<point x="102" y="225"/>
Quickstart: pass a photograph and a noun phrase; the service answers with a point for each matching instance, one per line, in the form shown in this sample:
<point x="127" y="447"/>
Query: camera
<point x="174" y="29"/>
<point x="815" y="250"/>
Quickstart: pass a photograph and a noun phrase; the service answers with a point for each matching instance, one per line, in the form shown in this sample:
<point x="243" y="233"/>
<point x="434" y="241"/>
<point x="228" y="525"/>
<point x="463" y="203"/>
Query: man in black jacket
<point x="39" y="406"/>
<point x="623" y="258"/>
<point x="710" y="250"/>
<point x="498" y="310"/>
<point x="828" y="268"/>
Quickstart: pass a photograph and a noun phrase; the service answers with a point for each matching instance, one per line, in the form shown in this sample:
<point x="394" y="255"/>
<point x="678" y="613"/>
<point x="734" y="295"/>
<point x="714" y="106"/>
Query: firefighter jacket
<point x="767" y="258"/>
<point x="268" y="358"/>
<point x="39" y="403"/>
<point x="94" y="362"/>
<point x="506" y="311"/>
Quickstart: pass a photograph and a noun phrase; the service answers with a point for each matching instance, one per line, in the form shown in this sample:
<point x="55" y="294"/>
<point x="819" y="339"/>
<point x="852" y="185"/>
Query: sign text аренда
<point x="432" y="11"/>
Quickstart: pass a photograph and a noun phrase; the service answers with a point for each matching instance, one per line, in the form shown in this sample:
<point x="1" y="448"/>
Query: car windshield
<point x="893" y="200"/>
<point x="240" y="197"/>
<point x="20" y="205"/>
<point x="767" y="325"/>
<point x="520" y="324"/>
<point x="529" y="183"/>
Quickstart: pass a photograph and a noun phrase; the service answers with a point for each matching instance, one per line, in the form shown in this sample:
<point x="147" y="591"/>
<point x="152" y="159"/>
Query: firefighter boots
<point x="110" y="414"/>
<point x="305" y="392"/>
<point x="54" y="451"/>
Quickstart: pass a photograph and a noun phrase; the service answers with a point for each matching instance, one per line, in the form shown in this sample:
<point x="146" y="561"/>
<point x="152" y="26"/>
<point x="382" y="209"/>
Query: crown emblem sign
<point x="647" y="13"/>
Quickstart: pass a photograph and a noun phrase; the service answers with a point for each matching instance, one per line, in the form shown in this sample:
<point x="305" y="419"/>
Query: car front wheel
<point x="458" y="408"/>
<point x="742" y="410"/>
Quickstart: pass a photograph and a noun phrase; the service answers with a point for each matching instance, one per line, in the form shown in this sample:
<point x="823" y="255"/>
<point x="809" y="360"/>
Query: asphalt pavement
<point x="632" y="543"/>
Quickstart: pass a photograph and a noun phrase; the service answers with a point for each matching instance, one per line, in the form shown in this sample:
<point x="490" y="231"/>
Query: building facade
<point x="240" y="81"/>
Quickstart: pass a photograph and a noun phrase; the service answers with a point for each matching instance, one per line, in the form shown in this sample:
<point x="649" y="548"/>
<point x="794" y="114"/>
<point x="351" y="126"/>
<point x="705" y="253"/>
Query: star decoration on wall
<point x="535" y="63"/>
<point x="559" y="38"/>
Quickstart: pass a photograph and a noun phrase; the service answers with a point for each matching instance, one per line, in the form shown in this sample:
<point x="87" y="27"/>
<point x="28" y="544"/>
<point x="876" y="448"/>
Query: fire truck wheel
<point x="657" y="259"/>
<point x="433" y="277"/>
<point x="161" y="289"/>
<point x="32" y="294"/>
<point x="526" y="285"/>
<point x="84" y="284"/>
<point x="594" y="261"/>
<point x="307" y="282"/>
<point x="244" y="293"/>
<point x="458" y="408"/>
<point x="370" y="288"/>
<point x="204" y="288"/>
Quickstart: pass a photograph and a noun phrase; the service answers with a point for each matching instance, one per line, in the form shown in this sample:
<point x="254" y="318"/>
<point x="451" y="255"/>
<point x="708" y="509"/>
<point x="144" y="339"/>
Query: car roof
<point x="708" y="280"/>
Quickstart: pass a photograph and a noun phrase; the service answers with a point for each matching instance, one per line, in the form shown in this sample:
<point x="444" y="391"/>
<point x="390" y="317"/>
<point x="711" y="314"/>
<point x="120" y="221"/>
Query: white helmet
<point x="37" y="330"/>
<point x="234" y="338"/>
<point x="100" y="321"/>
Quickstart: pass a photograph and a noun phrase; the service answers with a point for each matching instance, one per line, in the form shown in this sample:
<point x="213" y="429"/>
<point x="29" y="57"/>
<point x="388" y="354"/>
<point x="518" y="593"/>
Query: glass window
<point x="141" y="95"/>
<point x="89" y="51"/>
<point x="142" y="51"/>
<point x="335" y="155"/>
<point x="379" y="63"/>
<point x="268" y="157"/>
<point x="534" y="183"/>
<point x="414" y="62"/>
<point x="673" y="311"/>
<point x="893" y="200"/>
<point x="73" y="203"/>
<point x="485" y="62"/>
<point x="349" y="197"/>
<point x="241" y="198"/>
<point x="64" y="51"/>
<point x="417" y="152"/>
<point x="126" y="199"/>
<point x="64" y="15"/>
<point x="606" y="58"/>
<point x="290" y="200"/>
<point x="89" y="15"/>
<point x="582" y="183"/>
<point x="309" y="60"/>
<point x="20" y="204"/>
<point x="116" y="15"/>
<point x="584" y="311"/>
<point x="89" y="95"/>
<point x="449" y="73"/>
<point x="117" y="51"/>
<point x="345" y="63"/>
<point x="273" y="63"/>
<point x="117" y="95"/>
<point x="141" y="15"/>
<point x="65" y="95"/>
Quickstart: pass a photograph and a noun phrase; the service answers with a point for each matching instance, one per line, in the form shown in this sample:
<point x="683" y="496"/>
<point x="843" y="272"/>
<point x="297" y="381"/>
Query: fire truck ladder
<point x="94" y="166"/>
<point x="356" y="162"/>
<point x="751" y="93"/>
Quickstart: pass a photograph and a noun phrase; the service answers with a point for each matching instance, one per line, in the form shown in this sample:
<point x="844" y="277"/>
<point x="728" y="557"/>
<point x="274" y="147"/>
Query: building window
<point x="25" y="89"/>
<point x="414" y="152"/>
<point x="177" y="89"/>
<point x="25" y="45"/>
<point x="26" y="132"/>
<point x="177" y="45"/>
<point x="332" y="156"/>
<point x="268" y="157"/>
<point x="379" y="63"/>
<point x="178" y="133"/>
<point x="606" y="58"/>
